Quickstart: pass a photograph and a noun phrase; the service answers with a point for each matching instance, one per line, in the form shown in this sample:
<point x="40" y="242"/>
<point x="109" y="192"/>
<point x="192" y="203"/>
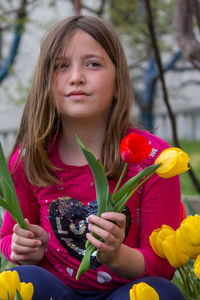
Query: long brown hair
<point x="41" y="121"/>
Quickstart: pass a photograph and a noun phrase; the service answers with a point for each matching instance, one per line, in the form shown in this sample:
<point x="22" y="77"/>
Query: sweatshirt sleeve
<point x="160" y="205"/>
<point x="28" y="204"/>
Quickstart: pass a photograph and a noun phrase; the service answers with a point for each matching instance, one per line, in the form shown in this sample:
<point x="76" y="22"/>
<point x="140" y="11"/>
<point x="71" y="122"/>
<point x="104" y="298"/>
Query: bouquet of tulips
<point x="12" y="289"/>
<point x="181" y="248"/>
<point x="133" y="149"/>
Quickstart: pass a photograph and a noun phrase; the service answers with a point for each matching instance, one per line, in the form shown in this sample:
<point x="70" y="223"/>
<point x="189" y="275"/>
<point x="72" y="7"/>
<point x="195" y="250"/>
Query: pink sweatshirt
<point x="62" y="211"/>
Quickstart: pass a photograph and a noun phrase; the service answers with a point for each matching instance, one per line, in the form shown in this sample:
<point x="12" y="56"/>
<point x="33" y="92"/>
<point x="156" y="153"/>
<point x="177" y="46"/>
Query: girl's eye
<point x="93" y="64"/>
<point x="61" y="66"/>
<point x="64" y="66"/>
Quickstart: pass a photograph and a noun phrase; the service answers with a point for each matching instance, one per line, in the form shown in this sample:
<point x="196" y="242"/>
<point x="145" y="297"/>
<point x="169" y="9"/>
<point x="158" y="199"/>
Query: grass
<point x="192" y="148"/>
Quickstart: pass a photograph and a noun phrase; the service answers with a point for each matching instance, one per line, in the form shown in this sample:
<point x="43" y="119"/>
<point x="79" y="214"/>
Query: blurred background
<point x="161" y="41"/>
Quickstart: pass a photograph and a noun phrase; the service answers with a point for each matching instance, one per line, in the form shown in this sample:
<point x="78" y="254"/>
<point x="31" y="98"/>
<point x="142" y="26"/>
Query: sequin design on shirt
<point x="68" y="219"/>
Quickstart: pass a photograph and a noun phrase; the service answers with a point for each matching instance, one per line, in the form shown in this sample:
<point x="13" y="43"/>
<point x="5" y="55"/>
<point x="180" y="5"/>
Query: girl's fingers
<point x="110" y="222"/>
<point x="22" y="232"/>
<point x="28" y="246"/>
<point x="22" y="249"/>
<point x="23" y="241"/>
<point x="118" y="218"/>
<point x="33" y="237"/>
<point x="21" y="258"/>
<point x="40" y="233"/>
<point x="108" y="237"/>
<point x="95" y="242"/>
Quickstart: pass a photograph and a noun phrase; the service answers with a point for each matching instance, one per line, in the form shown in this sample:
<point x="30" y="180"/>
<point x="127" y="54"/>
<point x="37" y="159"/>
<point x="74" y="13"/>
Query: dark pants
<point x="47" y="286"/>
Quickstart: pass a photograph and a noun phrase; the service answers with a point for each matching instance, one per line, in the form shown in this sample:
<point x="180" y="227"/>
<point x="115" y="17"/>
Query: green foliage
<point x="193" y="150"/>
<point x="129" y="18"/>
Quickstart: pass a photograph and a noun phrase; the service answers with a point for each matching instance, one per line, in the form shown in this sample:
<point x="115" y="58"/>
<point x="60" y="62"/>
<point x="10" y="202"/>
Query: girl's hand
<point x="111" y="228"/>
<point x="28" y="246"/>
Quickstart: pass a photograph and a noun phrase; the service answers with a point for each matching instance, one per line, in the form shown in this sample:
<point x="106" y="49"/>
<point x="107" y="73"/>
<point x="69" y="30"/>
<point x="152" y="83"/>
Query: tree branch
<point x="151" y="28"/>
<point x="18" y="30"/>
<point x="185" y="10"/>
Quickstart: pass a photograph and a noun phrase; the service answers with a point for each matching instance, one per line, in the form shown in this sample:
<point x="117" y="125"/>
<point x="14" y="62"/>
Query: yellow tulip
<point x="143" y="291"/>
<point x="157" y="237"/>
<point x="26" y="291"/>
<point x="173" y="254"/>
<point x="11" y="280"/>
<point x="188" y="249"/>
<point x="3" y="290"/>
<point x="9" y="283"/>
<point x="173" y="162"/>
<point x="190" y="230"/>
<point x="197" y="267"/>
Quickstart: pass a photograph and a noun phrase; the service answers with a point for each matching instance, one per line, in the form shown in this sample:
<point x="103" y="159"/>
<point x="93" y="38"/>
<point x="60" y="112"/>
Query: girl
<point x="81" y="86"/>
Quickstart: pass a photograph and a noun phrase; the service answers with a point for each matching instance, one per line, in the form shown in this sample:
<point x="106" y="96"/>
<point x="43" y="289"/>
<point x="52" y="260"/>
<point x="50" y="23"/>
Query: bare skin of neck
<point x="91" y="135"/>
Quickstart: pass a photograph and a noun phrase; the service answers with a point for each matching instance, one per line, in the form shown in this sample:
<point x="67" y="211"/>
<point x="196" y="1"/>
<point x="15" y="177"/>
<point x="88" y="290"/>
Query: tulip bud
<point x="173" y="254"/>
<point x="187" y="248"/>
<point x="10" y="283"/>
<point x="134" y="148"/>
<point x="157" y="237"/>
<point x="26" y="290"/>
<point x="190" y="230"/>
<point x="173" y="162"/>
<point x="143" y="291"/>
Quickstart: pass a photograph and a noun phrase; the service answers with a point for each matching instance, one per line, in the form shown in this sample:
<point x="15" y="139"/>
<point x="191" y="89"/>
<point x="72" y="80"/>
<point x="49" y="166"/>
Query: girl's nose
<point x="77" y="76"/>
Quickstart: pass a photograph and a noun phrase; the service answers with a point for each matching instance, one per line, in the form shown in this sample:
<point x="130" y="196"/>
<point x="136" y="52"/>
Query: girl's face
<point x="84" y="86"/>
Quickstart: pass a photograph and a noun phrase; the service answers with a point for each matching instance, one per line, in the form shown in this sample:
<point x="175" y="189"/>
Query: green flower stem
<point x="192" y="281"/>
<point x="185" y="283"/>
<point x="135" y="189"/>
<point x="18" y="296"/>
<point x="121" y="177"/>
<point x="85" y="263"/>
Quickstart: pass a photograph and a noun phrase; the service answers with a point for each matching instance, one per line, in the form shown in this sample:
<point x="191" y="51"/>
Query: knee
<point x="165" y="288"/>
<point x="27" y="272"/>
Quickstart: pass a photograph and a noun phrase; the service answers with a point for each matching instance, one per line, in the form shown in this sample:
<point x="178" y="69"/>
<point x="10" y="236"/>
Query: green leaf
<point x="85" y="263"/>
<point x="18" y="296"/>
<point x="4" y="172"/>
<point x="9" y="192"/>
<point x="131" y="183"/>
<point x="103" y="197"/>
<point x="3" y="203"/>
<point x="101" y="182"/>
<point x="1" y="190"/>
<point x="120" y="204"/>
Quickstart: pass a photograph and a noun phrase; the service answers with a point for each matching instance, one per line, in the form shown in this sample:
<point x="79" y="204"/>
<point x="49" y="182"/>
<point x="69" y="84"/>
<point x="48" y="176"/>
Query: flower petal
<point x="134" y="148"/>
<point x="144" y="291"/>
<point x="26" y="290"/>
<point x="175" y="257"/>
<point x="173" y="162"/>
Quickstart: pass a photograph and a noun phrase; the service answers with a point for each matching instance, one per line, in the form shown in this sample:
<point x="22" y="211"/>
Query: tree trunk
<point x="185" y="12"/>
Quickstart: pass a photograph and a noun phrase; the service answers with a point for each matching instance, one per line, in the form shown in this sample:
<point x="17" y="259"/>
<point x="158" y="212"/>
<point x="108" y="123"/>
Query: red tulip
<point x="134" y="148"/>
